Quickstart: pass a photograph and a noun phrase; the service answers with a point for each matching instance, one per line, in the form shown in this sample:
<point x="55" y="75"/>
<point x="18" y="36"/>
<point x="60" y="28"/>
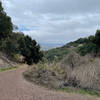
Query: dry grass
<point x="49" y="75"/>
<point x="86" y="71"/>
<point x="74" y="71"/>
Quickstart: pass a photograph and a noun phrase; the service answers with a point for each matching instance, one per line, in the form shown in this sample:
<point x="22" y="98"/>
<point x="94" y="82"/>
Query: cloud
<point x="55" y="21"/>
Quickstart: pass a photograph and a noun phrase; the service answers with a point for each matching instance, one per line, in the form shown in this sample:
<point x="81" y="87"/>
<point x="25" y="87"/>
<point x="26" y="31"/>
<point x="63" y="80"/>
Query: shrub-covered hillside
<point x="73" y="71"/>
<point x="61" y="52"/>
<point x="13" y="43"/>
<point x="83" y="46"/>
<point x="58" y="52"/>
<point x="92" y="46"/>
<point x="78" y="66"/>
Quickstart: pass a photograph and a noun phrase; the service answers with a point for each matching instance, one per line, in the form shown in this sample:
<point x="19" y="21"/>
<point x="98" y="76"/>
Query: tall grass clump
<point x="85" y="73"/>
<point x="73" y="71"/>
<point x="46" y="74"/>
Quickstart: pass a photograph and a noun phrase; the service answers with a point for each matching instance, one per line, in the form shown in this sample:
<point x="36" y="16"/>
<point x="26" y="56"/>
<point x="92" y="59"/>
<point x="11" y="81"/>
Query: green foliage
<point x="17" y="58"/>
<point x="30" y="50"/>
<point x="77" y="42"/>
<point x="48" y="75"/>
<point x="91" y="38"/>
<point x="92" y="46"/>
<point x="6" y="25"/>
<point x="80" y="91"/>
<point x="16" y="43"/>
<point x="10" y="45"/>
<point x="8" y="68"/>
<point x="58" y="52"/>
<point x="61" y="52"/>
<point x="88" y="48"/>
<point x="97" y="38"/>
<point x="6" y="28"/>
<point x="84" y="45"/>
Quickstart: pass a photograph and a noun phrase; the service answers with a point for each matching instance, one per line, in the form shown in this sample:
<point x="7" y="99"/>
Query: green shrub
<point x="48" y="75"/>
<point x="30" y="50"/>
<point x="8" y="68"/>
<point x="97" y="38"/>
<point x="6" y="26"/>
<point x="89" y="48"/>
<point x="58" y="52"/>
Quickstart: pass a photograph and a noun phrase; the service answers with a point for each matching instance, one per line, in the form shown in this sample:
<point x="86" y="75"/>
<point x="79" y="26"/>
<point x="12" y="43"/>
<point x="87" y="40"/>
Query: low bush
<point x="85" y="74"/>
<point x="50" y="75"/>
<point x="89" y="48"/>
<point x="59" y="52"/>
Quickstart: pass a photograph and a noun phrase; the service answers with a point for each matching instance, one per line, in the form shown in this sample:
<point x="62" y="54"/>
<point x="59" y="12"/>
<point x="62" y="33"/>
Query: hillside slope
<point x="5" y="62"/>
<point x="83" y="46"/>
<point x="63" y="51"/>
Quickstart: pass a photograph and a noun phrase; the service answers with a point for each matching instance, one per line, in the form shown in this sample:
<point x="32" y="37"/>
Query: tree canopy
<point x="92" y="46"/>
<point x="13" y="43"/>
<point x="6" y="25"/>
<point x="30" y="50"/>
<point x="97" y="38"/>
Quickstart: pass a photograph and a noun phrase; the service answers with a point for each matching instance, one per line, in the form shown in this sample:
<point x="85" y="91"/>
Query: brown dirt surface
<point x="5" y="62"/>
<point x="13" y="86"/>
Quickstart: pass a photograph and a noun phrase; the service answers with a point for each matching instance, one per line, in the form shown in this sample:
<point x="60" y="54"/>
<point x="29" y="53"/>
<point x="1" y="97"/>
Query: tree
<point x="6" y="25"/>
<point x="10" y="45"/>
<point x="15" y="43"/>
<point x="91" y="38"/>
<point x="30" y="50"/>
<point x="97" y="38"/>
<point x="89" y="48"/>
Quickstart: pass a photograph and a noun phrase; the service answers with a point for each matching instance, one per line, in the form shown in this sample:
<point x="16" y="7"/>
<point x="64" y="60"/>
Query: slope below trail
<point x="14" y="87"/>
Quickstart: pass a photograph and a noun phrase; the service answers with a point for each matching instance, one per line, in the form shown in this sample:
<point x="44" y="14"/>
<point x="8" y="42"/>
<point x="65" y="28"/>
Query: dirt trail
<point x="14" y="87"/>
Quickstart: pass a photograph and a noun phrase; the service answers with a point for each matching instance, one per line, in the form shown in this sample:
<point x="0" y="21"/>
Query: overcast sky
<point x="55" y="21"/>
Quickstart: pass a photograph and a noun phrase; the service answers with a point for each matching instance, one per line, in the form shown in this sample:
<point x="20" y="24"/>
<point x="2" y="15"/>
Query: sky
<point x="54" y="22"/>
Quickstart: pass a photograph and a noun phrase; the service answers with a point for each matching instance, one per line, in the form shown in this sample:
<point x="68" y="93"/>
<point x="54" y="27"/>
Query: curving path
<point x="14" y="87"/>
